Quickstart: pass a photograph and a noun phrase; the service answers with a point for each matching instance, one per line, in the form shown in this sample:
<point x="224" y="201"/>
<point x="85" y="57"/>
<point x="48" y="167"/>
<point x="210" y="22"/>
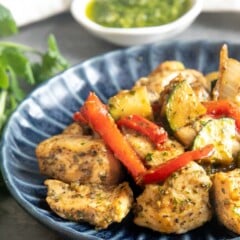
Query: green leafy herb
<point x="7" y="23"/>
<point x="52" y="61"/>
<point x="16" y="68"/>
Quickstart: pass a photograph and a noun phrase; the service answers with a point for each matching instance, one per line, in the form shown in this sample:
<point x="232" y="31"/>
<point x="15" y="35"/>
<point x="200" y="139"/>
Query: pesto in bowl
<point x="135" y="13"/>
<point x="127" y="35"/>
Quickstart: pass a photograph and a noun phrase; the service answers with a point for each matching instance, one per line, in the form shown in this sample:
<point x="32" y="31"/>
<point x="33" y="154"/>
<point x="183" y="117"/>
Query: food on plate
<point x="97" y="204"/>
<point x="148" y="151"/>
<point x="222" y="134"/>
<point x="181" y="93"/>
<point x="227" y="86"/>
<point x="168" y="149"/>
<point x="134" y="13"/>
<point x="166" y="72"/>
<point x="179" y="205"/>
<point x="79" y="158"/>
<point x="127" y="102"/>
<point x="227" y="198"/>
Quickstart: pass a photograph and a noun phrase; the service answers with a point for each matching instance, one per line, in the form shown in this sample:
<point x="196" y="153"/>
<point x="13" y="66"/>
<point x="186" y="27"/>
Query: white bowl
<point x="135" y="36"/>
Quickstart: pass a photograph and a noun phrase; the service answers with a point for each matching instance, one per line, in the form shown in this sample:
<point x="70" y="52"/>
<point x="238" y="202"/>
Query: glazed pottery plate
<point x="49" y="109"/>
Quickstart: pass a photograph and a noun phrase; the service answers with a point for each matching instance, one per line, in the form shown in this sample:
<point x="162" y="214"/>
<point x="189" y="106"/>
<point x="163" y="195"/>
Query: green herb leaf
<point x="19" y="63"/>
<point x="3" y="100"/>
<point x="4" y="83"/>
<point x="15" y="67"/>
<point x="15" y="89"/>
<point x="7" y="23"/>
<point x="52" y="62"/>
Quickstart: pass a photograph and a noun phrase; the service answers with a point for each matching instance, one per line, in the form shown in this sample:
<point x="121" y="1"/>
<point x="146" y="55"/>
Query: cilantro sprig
<point x="18" y="70"/>
<point x="7" y="24"/>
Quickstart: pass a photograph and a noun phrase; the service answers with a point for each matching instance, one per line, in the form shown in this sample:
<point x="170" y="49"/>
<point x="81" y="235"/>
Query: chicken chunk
<point x="77" y="128"/>
<point x="167" y="72"/>
<point x="147" y="151"/>
<point x="226" y="190"/>
<point x="77" y="158"/>
<point x="74" y="129"/>
<point x="96" y="204"/>
<point x="180" y="204"/>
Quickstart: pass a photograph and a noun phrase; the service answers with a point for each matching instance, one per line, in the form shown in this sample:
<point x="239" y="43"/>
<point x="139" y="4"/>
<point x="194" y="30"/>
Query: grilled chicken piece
<point x="74" y="129"/>
<point x="78" y="158"/>
<point x="167" y="72"/>
<point x="226" y="190"/>
<point x="180" y="204"/>
<point x="147" y="151"/>
<point x="96" y="204"/>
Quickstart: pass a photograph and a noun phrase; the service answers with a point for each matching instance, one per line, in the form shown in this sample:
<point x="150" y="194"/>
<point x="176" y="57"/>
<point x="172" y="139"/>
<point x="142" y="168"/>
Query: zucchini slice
<point x="187" y="134"/>
<point x="183" y="106"/>
<point x="222" y="134"/>
<point x="127" y="102"/>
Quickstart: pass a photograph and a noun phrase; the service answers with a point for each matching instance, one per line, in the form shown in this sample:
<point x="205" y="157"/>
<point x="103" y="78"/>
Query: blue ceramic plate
<point x="48" y="109"/>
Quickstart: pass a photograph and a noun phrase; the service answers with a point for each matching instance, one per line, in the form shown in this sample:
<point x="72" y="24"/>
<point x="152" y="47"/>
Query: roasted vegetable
<point x="222" y="134"/>
<point x="224" y="108"/>
<point x="129" y="102"/>
<point x="99" y="119"/>
<point x="148" y="152"/>
<point x="182" y="106"/>
<point x="228" y="84"/>
<point x="187" y="134"/>
<point x="154" y="132"/>
<point x="160" y="173"/>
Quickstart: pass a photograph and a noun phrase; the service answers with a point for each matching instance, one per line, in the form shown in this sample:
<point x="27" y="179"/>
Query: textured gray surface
<point x="77" y="45"/>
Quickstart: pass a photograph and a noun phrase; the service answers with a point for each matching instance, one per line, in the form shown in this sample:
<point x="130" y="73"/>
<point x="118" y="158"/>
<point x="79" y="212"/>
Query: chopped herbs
<point x="148" y="157"/>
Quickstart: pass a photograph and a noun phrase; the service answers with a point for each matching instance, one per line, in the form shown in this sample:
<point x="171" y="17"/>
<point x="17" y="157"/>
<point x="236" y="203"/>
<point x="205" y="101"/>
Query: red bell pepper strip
<point x="78" y="117"/>
<point x="155" y="133"/>
<point x="164" y="170"/>
<point x="224" y="108"/>
<point x="98" y="118"/>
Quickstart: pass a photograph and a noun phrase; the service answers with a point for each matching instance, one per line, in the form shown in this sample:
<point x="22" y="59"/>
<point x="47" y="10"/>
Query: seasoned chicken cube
<point x="160" y="77"/>
<point x="96" y="204"/>
<point x="167" y="72"/>
<point x="180" y="204"/>
<point x="147" y="151"/>
<point x="226" y="189"/>
<point x="77" y="158"/>
<point x="74" y="129"/>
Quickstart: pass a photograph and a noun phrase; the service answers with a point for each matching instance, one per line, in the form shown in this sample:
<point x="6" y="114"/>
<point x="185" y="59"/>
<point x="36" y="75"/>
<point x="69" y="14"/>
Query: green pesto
<point x="135" y="13"/>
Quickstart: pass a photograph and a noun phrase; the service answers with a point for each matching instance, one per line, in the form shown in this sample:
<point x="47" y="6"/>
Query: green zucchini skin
<point x="222" y="134"/>
<point x="183" y="106"/>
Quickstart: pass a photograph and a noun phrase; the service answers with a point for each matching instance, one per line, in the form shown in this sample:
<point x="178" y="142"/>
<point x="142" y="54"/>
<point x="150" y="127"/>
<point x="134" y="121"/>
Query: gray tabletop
<point x="77" y="45"/>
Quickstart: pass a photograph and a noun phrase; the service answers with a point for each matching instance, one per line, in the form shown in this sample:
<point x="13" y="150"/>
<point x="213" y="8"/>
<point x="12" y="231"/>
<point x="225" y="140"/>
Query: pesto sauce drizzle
<point x="135" y="13"/>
